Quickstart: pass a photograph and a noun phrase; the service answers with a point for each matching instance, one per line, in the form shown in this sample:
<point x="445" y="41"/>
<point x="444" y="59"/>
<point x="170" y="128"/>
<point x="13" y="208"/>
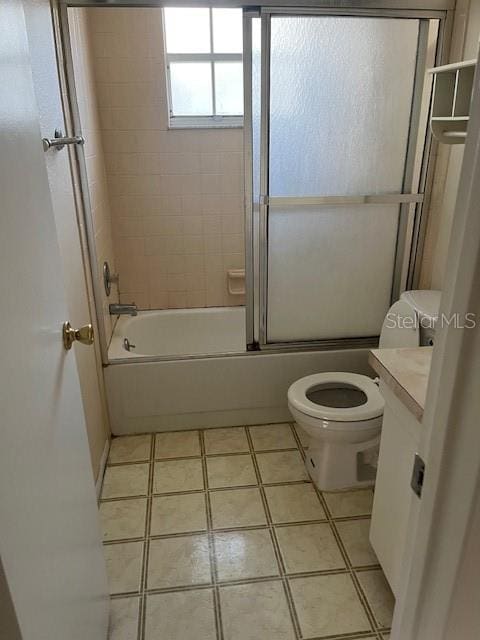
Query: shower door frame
<point x="441" y="10"/>
<point x="407" y="248"/>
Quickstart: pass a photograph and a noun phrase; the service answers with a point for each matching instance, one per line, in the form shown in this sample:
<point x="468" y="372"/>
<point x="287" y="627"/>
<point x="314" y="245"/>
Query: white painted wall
<point x="449" y="160"/>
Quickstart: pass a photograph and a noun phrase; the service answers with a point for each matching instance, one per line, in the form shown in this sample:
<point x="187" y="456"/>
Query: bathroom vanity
<point x="403" y="384"/>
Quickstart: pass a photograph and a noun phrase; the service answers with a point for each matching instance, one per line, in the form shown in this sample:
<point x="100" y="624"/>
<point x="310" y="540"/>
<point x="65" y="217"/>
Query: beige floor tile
<point x="309" y="547"/>
<point x="124" y="614"/>
<point x="237" y="508"/>
<point x="294" y="503"/>
<point x="379" y="596"/>
<point x="272" y="436"/>
<point x="178" y="514"/>
<point x="281" y="466"/>
<point x="328" y="605"/>
<point x="128" y="480"/>
<point x="123" y="519"/>
<point x="178" y="562"/>
<point x="185" y="615"/>
<point x="124" y="566"/>
<point x="253" y="611"/>
<point x="355" y="538"/>
<point x="244" y="554"/>
<point x="231" y="471"/>
<point x="177" y="475"/>
<point x="225" y="440"/>
<point x="302" y="435"/>
<point x="177" y="444"/>
<point x="350" y="503"/>
<point x="130" y="449"/>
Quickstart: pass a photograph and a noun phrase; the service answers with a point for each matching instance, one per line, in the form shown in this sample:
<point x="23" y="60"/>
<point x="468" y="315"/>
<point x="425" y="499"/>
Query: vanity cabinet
<point x="395" y="504"/>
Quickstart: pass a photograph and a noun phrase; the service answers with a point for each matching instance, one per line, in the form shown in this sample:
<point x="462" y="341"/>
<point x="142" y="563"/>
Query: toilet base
<point x="337" y="466"/>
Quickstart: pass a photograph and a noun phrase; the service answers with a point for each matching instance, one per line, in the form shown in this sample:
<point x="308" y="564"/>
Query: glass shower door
<point x="337" y="97"/>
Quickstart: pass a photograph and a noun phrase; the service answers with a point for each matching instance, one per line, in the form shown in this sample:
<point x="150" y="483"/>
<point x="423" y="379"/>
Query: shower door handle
<point x="59" y="141"/>
<point x="84" y="335"/>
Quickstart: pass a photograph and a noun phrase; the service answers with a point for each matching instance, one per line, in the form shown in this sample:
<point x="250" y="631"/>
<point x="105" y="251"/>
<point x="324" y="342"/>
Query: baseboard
<point x="101" y="471"/>
<point x="201" y="420"/>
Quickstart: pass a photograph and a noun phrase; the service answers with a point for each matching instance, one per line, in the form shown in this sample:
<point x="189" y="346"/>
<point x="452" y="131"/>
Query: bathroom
<point x="243" y="229"/>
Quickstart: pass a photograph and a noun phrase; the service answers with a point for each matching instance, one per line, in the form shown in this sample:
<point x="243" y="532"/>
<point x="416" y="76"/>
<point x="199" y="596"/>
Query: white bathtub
<point x="180" y="332"/>
<point x="169" y="382"/>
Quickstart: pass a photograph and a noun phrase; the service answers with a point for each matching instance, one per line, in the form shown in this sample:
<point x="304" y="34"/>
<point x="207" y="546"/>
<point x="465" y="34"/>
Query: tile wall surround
<point x="254" y="553"/>
<point x="94" y="153"/>
<point x="176" y="196"/>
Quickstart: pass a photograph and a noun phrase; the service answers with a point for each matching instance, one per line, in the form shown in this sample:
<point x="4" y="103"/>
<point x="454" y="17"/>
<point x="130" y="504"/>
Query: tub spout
<point x="123" y="309"/>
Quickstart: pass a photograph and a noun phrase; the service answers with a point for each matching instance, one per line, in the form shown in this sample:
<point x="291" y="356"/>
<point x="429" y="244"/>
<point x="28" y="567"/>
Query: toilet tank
<point x="426" y="305"/>
<point x="410" y="322"/>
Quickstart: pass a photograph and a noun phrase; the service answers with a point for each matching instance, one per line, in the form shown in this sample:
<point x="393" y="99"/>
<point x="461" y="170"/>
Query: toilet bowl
<point x="342" y="412"/>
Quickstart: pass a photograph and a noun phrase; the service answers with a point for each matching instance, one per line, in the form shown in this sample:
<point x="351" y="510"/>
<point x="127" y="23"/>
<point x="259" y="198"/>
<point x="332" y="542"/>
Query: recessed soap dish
<point x="236" y="282"/>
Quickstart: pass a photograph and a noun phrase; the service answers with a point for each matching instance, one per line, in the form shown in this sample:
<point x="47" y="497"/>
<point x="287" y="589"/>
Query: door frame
<point x="410" y="204"/>
<point x="79" y="166"/>
<point x="437" y="547"/>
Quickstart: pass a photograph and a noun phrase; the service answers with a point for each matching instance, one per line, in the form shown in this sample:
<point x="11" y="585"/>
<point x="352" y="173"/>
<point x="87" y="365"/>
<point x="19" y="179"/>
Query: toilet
<point x="342" y="412"/>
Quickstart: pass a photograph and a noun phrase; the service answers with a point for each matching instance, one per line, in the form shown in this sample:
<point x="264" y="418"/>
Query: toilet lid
<point x="369" y="403"/>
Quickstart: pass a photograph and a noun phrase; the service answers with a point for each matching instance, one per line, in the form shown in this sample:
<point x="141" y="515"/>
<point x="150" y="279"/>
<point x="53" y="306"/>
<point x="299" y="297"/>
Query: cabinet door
<point x="394" y="498"/>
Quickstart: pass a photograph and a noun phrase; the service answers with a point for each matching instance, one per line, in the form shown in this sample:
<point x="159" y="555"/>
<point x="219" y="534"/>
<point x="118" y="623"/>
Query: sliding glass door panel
<point x="340" y="102"/>
<point x="330" y="271"/>
<point x="338" y="95"/>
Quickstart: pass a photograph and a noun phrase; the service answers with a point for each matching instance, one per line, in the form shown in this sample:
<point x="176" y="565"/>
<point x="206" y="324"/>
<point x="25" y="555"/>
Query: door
<point x="439" y="595"/>
<point x="38" y="18"/>
<point x="341" y="97"/>
<point x="50" y="549"/>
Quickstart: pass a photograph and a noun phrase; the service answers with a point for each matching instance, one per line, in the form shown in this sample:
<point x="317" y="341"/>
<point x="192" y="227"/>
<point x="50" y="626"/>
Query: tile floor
<point x="218" y="534"/>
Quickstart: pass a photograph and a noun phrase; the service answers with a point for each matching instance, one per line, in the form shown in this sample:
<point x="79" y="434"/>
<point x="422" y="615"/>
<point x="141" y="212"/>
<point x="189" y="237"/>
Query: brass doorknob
<point x="83" y="335"/>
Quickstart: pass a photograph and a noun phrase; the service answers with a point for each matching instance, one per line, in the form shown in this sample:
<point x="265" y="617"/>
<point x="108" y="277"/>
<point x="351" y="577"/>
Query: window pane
<point x="229" y="88"/>
<point x="187" y="30"/>
<point x="191" y="88"/>
<point x="227" y="31"/>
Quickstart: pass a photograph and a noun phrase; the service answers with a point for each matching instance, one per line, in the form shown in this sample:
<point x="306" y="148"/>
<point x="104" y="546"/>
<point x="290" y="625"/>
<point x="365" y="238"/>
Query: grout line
<point x="356" y="583"/>
<point x="211" y="543"/>
<point x="298" y="441"/>
<point x="141" y="609"/>
<point x="276" y="546"/>
<point x="221" y="454"/>
<point x="127" y="595"/>
<point x="146" y="552"/>
<point x="144" y="496"/>
<point x="173" y="458"/>
<point x="112" y="543"/>
<point x="127" y="463"/>
<point x="244" y="581"/>
<point x="346" y="636"/>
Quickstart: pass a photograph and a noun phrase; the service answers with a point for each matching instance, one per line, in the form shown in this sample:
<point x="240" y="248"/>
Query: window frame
<point x="214" y="121"/>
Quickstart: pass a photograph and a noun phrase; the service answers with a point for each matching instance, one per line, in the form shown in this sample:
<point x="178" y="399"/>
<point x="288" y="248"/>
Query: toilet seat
<point x="372" y="408"/>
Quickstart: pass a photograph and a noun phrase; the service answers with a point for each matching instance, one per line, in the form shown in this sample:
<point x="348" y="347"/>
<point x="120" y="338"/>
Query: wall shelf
<point x="452" y="92"/>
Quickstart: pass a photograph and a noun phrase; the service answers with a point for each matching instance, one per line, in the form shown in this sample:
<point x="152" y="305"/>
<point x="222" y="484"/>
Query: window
<point x="204" y="66"/>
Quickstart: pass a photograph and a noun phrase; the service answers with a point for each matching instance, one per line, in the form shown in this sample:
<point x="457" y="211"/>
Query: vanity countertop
<point x="405" y="371"/>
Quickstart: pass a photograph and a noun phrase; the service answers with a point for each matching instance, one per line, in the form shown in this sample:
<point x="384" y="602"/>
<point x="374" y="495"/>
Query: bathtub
<point x="179" y="332"/>
<point x="190" y="369"/>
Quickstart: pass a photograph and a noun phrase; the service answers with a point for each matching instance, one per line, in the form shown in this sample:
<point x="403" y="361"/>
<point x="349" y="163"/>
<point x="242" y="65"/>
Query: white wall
<point x="449" y="160"/>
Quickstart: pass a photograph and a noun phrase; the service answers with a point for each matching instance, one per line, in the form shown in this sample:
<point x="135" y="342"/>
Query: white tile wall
<point x="176" y="196"/>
